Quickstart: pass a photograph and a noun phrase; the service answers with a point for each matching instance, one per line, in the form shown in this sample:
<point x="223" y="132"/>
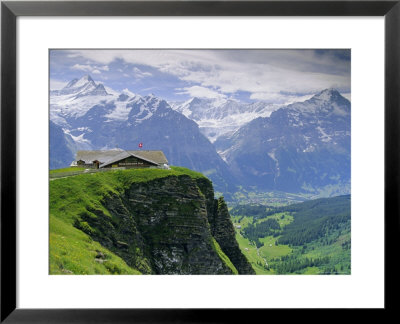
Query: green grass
<point x="181" y="170"/>
<point x="248" y="248"/>
<point x="223" y="256"/>
<point x="242" y="221"/>
<point x="71" y="195"/>
<point x="73" y="251"/>
<point x="270" y="250"/>
<point x="250" y="251"/>
<point x="312" y="271"/>
<point x="266" y="252"/>
<point x="70" y="169"/>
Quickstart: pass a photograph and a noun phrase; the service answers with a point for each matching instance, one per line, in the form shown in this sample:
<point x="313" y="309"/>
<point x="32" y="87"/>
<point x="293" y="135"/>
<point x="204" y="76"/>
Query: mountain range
<point x="217" y="117"/>
<point x="107" y="119"/>
<point x="301" y="147"/>
<point x="298" y="148"/>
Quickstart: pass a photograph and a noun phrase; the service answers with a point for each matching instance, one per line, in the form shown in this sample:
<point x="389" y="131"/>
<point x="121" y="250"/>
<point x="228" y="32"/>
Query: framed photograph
<point x="183" y="161"/>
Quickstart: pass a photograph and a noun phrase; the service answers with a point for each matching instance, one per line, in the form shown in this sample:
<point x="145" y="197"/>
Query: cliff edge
<point x="141" y="221"/>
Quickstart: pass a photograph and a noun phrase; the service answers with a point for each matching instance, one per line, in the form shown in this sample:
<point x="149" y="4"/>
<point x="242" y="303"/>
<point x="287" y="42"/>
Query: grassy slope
<point x="266" y="252"/>
<point x="71" y="250"/>
<point x="69" y="169"/>
<point x="250" y="251"/>
<point x="270" y="250"/>
<point x="340" y="259"/>
<point x="223" y="256"/>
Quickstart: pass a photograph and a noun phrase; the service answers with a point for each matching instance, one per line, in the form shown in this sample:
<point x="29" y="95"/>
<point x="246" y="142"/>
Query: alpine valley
<point x="301" y="149"/>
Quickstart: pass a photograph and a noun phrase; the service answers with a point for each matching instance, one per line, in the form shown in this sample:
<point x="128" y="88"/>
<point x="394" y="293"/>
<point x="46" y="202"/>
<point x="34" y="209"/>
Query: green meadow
<point x="305" y="238"/>
<point x="259" y="257"/>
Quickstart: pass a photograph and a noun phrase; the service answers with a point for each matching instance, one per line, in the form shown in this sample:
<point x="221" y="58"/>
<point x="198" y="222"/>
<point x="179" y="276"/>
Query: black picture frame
<point x="10" y="10"/>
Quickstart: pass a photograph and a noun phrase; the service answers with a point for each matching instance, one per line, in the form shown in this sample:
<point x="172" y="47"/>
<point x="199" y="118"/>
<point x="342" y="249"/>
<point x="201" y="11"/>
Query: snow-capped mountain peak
<point x="77" y="83"/>
<point x="327" y="95"/>
<point x="76" y="98"/>
<point x="219" y="116"/>
<point x="324" y="103"/>
<point x="71" y="84"/>
<point x="128" y="92"/>
<point x="279" y="151"/>
<point x="85" y="86"/>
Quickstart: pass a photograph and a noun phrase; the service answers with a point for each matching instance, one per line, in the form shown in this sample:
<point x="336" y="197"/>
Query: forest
<point x="311" y="237"/>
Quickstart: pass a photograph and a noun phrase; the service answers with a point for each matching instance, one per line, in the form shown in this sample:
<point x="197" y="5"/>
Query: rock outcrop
<point x="224" y="233"/>
<point x="170" y="225"/>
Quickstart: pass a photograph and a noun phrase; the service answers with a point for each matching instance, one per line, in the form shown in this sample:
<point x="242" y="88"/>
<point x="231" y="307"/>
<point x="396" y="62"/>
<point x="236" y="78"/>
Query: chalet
<point x="120" y="159"/>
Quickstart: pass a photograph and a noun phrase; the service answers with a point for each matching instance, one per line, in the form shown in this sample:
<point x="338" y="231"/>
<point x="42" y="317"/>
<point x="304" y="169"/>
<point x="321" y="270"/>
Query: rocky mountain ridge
<point x="300" y="147"/>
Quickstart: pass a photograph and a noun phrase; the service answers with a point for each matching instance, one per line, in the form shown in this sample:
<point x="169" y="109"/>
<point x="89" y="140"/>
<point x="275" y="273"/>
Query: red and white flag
<point x="140" y="145"/>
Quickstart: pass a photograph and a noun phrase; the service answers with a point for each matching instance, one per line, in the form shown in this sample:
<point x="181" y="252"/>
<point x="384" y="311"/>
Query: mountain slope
<point x="301" y="147"/>
<point x="61" y="149"/>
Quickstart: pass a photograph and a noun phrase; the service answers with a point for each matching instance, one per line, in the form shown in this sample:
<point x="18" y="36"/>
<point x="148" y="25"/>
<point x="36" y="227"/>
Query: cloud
<point x="347" y="96"/>
<point x="278" y="98"/>
<point x="265" y="74"/>
<point x="140" y="74"/>
<point x="81" y="67"/>
<point x="201" y="92"/>
<point x="90" y="68"/>
<point x="57" y="84"/>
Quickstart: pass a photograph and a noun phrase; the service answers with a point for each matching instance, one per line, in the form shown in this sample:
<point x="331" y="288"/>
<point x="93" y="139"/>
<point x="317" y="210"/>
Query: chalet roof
<point x="154" y="156"/>
<point x="115" y="158"/>
<point x="111" y="156"/>
<point x="102" y="156"/>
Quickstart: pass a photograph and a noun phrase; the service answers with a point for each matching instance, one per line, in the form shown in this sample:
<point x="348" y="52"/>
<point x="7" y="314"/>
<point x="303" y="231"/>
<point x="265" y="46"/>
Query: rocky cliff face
<point x="170" y="225"/>
<point x="222" y="228"/>
<point x="224" y="233"/>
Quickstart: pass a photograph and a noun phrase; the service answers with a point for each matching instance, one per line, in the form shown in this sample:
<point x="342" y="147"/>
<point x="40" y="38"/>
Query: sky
<point x="273" y="76"/>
